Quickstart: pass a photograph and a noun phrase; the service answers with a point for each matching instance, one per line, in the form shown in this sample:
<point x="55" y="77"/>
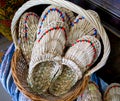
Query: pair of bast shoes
<point x="58" y="48"/>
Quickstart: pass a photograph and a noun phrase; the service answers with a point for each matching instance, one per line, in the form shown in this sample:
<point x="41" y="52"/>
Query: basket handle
<point x="74" y="8"/>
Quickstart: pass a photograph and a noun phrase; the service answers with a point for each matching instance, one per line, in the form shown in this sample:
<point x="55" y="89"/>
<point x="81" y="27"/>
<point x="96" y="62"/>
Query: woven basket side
<point x="91" y="93"/>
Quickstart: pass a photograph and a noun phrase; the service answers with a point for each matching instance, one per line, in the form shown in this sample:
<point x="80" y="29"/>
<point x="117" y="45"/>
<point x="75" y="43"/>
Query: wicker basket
<point x="1" y="55"/>
<point x="20" y="69"/>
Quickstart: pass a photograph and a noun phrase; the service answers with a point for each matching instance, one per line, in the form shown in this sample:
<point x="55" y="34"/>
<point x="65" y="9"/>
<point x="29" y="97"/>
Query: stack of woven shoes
<point x="48" y="48"/>
<point x="53" y="68"/>
<point x="84" y="49"/>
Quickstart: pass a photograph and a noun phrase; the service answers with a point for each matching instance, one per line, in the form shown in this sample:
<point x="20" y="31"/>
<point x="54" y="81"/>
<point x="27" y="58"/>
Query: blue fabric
<point x="22" y="98"/>
<point x="5" y="66"/>
<point x="6" y="76"/>
<point x="102" y="84"/>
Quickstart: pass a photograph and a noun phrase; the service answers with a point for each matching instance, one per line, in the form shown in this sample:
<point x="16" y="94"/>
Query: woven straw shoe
<point x="77" y="60"/>
<point x="27" y="33"/>
<point x="80" y="27"/>
<point x="91" y="93"/>
<point x="112" y="92"/>
<point x="54" y="14"/>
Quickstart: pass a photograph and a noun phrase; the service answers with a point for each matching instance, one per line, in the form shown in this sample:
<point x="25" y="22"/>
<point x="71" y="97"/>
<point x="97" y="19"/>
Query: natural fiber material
<point x="64" y="82"/>
<point x="60" y="16"/>
<point x="69" y="14"/>
<point x="47" y="18"/>
<point x="80" y="86"/>
<point x="19" y="74"/>
<point x="81" y="27"/>
<point x="84" y="52"/>
<point x="27" y="33"/>
<point x="95" y="14"/>
<point x="91" y="93"/>
<point x="55" y="31"/>
<point x="77" y="60"/>
<point x="48" y="48"/>
<point x="42" y="75"/>
<point x="20" y="80"/>
<point x="112" y="92"/>
<point x="40" y="54"/>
